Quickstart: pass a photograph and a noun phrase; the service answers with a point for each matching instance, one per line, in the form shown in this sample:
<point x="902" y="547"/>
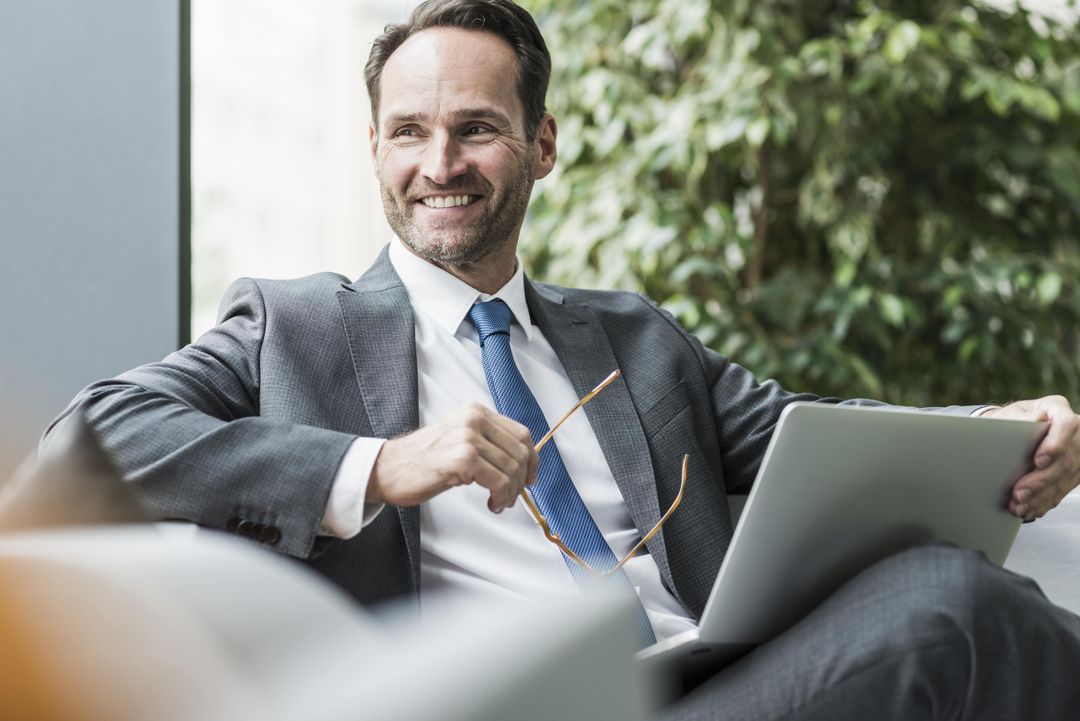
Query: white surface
<point x="197" y="601"/>
<point x="126" y="624"/>
<point x="565" y="659"/>
<point x="1048" y="551"/>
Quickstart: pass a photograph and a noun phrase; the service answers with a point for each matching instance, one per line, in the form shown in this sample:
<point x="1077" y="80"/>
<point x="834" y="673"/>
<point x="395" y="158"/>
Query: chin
<point x="447" y="249"/>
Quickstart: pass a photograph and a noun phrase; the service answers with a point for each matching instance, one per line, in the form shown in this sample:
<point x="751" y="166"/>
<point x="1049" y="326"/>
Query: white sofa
<point x="1048" y="550"/>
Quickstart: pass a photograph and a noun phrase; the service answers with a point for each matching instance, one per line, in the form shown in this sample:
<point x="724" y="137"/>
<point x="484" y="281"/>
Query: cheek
<point x="502" y="164"/>
<point x="394" y="168"/>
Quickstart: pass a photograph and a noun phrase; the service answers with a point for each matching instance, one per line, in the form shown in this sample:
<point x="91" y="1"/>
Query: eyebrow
<point x="456" y="116"/>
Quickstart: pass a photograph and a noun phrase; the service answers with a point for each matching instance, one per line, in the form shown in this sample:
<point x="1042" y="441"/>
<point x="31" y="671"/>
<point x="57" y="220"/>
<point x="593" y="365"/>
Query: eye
<point x="405" y="133"/>
<point x="477" y="130"/>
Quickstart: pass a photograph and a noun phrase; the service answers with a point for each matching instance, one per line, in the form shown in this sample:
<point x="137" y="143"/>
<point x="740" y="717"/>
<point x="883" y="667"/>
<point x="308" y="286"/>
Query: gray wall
<point x="89" y="200"/>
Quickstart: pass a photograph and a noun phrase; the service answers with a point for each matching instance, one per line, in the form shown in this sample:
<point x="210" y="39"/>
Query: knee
<point x="953" y="589"/>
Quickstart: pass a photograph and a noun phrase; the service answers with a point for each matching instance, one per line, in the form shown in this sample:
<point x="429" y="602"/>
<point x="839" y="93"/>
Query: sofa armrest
<point x="1048" y="551"/>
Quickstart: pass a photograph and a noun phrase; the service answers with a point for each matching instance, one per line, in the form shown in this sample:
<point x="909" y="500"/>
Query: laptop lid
<point x="842" y="487"/>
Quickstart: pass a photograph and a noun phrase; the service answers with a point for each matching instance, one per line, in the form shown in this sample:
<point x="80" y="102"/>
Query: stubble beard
<point x="463" y="244"/>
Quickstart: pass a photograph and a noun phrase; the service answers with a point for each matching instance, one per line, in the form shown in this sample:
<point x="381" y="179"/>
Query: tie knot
<point x="494" y="316"/>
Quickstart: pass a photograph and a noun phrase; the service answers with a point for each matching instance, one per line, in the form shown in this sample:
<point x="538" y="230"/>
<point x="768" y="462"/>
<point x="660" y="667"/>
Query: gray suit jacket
<point x="244" y="429"/>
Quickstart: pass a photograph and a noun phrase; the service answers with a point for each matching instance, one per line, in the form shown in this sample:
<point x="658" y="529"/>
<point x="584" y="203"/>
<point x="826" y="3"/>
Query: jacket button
<point x="244" y="527"/>
<point x="271" y="535"/>
<point x="231" y="524"/>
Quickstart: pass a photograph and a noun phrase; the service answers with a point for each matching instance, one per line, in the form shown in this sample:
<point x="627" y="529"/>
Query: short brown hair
<point x="499" y="17"/>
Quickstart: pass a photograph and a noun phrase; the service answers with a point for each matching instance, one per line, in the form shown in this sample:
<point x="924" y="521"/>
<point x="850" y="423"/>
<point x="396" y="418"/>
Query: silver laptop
<point x="840" y="488"/>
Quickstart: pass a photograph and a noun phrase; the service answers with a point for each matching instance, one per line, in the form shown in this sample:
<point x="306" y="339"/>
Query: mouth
<point x="439" y="202"/>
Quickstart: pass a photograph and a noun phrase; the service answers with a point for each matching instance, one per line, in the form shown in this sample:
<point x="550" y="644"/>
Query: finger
<point x="512" y="428"/>
<point x="1024" y="490"/>
<point x="515" y="440"/>
<point x="497" y="483"/>
<point x="1037" y="492"/>
<point x="513" y="468"/>
<point x="1062" y="431"/>
<point x="522" y="434"/>
<point x="483" y="419"/>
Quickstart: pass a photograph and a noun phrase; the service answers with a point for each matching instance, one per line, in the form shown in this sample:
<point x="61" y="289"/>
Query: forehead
<point x="441" y="70"/>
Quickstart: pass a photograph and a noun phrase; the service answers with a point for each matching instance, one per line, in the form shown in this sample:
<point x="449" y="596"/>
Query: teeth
<point x="446" y="201"/>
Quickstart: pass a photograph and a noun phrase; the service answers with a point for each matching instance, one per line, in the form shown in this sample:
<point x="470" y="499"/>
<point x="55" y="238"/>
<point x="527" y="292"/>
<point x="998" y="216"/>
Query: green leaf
<point x="860" y="297"/>
<point x="866" y="375"/>
<point x="845" y="273"/>
<point x="1039" y="101"/>
<point x="1048" y="288"/>
<point x="1070" y="88"/>
<point x="757" y="131"/>
<point x="612" y="136"/>
<point x="892" y="309"/>
<point x="967" y="349"/>
<point x="902" y="39"/>
<point x="725" y="132"/>
<point x="952" y="296"/>
<point x="1000" y="94"/>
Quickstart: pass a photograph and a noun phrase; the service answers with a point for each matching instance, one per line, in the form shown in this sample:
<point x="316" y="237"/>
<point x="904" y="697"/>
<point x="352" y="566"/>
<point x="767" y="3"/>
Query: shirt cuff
<point x="346" y="513"/>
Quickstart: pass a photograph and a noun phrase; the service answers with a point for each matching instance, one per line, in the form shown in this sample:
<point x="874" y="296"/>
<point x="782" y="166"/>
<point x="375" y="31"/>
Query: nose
<point x="442" y="161"/>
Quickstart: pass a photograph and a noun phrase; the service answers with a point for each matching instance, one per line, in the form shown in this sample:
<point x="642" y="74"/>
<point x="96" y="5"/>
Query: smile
<point x="449" y="201"/>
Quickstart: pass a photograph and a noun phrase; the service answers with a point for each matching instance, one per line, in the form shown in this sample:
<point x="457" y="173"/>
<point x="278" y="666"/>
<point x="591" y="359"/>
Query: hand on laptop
<point x="1057" y="457"/>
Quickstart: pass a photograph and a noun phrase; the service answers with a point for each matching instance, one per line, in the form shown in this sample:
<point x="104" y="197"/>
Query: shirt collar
<point x="447" y="299"/>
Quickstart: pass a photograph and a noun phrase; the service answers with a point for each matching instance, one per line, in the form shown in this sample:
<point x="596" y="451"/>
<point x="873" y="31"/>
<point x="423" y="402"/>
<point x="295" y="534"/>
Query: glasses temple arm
<point x="648" y="536"/>
<point x="581" y="403"/>
<point x="539" y="517"/>
<point x="552" y="536"/>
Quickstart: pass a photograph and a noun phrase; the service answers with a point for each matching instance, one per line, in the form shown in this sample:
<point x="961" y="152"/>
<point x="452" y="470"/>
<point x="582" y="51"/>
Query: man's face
<point x="450" y="150"/>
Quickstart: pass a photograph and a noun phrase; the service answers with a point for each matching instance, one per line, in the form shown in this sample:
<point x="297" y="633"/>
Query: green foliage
<point x="856" y="197"/>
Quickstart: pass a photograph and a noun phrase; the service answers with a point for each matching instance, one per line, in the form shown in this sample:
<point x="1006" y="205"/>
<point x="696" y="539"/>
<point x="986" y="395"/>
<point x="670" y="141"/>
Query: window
<point x="282" y="184"/>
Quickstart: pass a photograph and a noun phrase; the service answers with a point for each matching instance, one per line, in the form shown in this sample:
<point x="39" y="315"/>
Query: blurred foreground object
<point x="71" y="483"/>
<point x="130" y="624"/>
<point x="171" y="623"/>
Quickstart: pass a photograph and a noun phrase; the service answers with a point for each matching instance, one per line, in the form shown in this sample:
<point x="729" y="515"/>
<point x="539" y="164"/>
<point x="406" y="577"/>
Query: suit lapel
<point x="379" y="327"/>
<point x="586" y="354"/>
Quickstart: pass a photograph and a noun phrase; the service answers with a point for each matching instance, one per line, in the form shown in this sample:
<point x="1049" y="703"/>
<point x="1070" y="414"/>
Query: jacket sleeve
<point x="746" y="410"/>
<point x="187" y="436"/>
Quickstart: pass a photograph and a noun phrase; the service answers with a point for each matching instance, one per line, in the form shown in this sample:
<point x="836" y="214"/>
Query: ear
<point x="373" y="141"/>
<point x="544" y="159"/>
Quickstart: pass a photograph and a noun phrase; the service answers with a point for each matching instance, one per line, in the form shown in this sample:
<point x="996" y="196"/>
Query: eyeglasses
<point x="554" y="537"/>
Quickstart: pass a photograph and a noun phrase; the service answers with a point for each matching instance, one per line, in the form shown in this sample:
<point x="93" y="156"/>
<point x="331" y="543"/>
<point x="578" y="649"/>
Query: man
<point x="274" y="424"/>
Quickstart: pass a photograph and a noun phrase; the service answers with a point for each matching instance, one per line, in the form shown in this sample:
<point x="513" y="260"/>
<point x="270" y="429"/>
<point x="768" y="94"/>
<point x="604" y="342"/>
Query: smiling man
<point x="382" y="429"/>
<point x="455" y="155"/>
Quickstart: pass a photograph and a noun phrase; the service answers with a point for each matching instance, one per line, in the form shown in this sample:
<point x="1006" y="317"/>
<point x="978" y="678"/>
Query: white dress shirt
<point x="467" y="552"/>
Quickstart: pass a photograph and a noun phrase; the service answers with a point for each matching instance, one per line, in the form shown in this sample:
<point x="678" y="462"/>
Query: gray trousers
<point x="930" y="633"/>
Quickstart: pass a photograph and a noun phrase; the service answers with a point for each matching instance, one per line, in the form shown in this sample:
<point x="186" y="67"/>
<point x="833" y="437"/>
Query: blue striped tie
<point x="554" y="491"/>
